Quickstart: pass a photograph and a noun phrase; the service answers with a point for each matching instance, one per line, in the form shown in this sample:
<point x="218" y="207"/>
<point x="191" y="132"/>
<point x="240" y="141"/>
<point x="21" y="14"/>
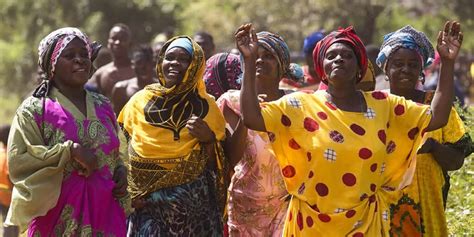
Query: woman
<point x="223" y="73"/>
<point x="339" y="180"/>
<point x="176" y="164"/>
<point x="64" y="151"/>
<point x="419" y="209"/>
<point x="257" y="205"/>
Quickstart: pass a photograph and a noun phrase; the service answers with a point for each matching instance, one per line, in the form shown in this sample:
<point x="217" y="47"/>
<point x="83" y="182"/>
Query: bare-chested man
<point x="144" y="65"/>
<point x="105" y="78"/>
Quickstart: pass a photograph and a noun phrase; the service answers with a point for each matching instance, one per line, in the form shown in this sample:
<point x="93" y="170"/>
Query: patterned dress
<point x="419" y="209"/>
<point x="338" y="165"/>
<point x="257" y="205"/>
<point x="49" y="193"/>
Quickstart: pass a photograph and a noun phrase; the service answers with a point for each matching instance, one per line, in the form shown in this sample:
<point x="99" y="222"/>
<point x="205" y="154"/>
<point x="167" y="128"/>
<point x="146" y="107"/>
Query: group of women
<point x="259" y="161"/>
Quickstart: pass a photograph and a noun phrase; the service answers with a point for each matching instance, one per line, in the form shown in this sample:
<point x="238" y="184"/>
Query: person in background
<point x="177" y="168"/>
<point x="335" y="147"/>
<point x="120" y="68"/>
<point x="64" y="153"/>
<point x="419" y="208"/>
<point x="6" y="185"/>
<point x="381" y="81"/>
<point x="157" y="43"/>
<point x="223" y="73"/>
<point x="143" y="64"/>
<point x="206" y="41"/>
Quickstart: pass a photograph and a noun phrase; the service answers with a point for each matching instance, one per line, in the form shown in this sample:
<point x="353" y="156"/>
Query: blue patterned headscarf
<point x="279" y="49"/>
<point x="409" y="38"/>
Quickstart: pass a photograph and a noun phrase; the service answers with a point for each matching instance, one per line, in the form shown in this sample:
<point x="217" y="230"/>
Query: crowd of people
<point x="177" y="139"/>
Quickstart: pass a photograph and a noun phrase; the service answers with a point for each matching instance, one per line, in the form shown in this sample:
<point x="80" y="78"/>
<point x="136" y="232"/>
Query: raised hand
<point x="246" y="41"/>
<point x="120" y="179"/>
<point x="85" y="157"/>
<point x="449" y="41"/>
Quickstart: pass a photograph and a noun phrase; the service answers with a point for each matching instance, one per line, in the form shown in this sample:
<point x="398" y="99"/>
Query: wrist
<point x="212" y="140"/>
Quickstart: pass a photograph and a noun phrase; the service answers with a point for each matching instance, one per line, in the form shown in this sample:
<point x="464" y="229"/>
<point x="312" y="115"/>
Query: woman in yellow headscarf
<point x="176" y="165"/>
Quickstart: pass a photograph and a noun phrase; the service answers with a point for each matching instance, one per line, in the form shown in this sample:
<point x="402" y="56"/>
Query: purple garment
<point x="223" y="72"/>
<point x="86" y="205"/>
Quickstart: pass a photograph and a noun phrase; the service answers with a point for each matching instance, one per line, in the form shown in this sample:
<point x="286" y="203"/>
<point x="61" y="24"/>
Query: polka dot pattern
<point x="391" y="147"/>
<point x="285" y="120"/>
<point x="310" y="124"/>
<point x="357" y="129"/>
<point x="322" y="115"/>
<point x="299" y="220"/>
<point x="349" y="179"/>
<point x="309" y="156"/>
<point x="289" y="171"/>
<point x="358" y="234"/>
<point x="350" y="213"/>
<point x="413" y="132"/>
<point x="379" y="95"/>
<point x="324" y="217"/>
<point x="309" y="221"/>
<point x="293" y="144"/>
<point x="336" y="136"/>
<point x="365" y="153"/>
<point x="399" y="110"/>
<point x="322" y="189"/>
<point x="331" y="105"/>
<point x="382" y="136"/>
<point x="373" y="167"/>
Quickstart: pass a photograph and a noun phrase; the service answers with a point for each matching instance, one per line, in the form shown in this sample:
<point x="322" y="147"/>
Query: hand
<point x="449" y="41"/>
<point x="246" y="41"/>
<point x="427" y="146"/>
<point x="85" y="157"/>
<point x="120" y="179"/>
<point x="262" y="97"/>
<point x="200" y="130"/>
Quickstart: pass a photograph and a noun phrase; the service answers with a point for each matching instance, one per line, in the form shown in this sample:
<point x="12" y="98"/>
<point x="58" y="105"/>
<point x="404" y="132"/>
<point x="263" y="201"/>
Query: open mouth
<point x="79" y="70"/>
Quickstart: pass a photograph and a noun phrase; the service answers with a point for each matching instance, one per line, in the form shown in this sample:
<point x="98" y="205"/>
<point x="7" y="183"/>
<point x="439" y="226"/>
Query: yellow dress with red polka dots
<point x="338" y="165"/>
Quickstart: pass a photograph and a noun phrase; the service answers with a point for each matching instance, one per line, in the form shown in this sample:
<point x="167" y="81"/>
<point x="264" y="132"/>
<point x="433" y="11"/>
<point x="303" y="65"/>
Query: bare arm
<point x="235" y="143"/>
<point x="449" y="43"/>
<point x="447" y="157"/>
<point x="247" y="43"/>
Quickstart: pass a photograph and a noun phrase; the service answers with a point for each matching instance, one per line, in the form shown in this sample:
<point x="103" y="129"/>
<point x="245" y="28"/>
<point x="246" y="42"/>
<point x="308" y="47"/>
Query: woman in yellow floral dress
<point x="419" y="209"/>
<point x="335" y="148"/>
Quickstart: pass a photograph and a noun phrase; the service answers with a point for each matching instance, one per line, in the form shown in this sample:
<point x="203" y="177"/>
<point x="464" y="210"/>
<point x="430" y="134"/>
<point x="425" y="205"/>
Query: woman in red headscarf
<point x="336" y="147"/>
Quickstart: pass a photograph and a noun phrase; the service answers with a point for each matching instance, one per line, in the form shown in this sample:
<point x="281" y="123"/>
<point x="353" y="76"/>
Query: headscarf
<point x="409" y="38"/>
<point x="50" y="49"/>
<point x="310" y="42"/>
<point x="223" y="72"/>
<point x="163" y="153"/>
<point x="347" y="36"/>
<point x="279" y="49"/>
<point x="183" y="43"/>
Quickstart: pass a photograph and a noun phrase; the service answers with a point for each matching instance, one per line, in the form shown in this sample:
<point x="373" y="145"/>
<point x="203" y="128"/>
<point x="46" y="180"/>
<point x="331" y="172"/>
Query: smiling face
<point x="340" y="64"/>
<point x="403" y="69"/>
<point x="267" y="65"/>
<point x="73" y="66"/>
<point x="175" y="64"/>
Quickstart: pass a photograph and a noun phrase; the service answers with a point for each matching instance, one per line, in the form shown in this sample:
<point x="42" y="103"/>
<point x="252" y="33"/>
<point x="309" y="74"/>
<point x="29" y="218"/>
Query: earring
<point x="359" y="75"/>
<point x="386" y="78"/>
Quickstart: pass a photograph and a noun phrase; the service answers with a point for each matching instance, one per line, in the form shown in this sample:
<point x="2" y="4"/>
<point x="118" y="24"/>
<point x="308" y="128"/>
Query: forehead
<point x="339" y="46"/>
<point x="118" y="31"/>
<point x="404" y="53"/>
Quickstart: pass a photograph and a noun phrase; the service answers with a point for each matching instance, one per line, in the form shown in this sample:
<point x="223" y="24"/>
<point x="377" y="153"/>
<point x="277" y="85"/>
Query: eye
<point x="330" y="55"/>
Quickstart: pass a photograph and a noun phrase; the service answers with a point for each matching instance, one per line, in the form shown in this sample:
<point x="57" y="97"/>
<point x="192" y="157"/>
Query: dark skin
<point x="71" y="74"/>
<point x="342" y="91"/>
<point x="124" y="90"/>
<point x="175" y="64"/>
<point x="207" y="46"/>
<point x="120" y="68"/>
<point x="267" y="74"/>
<point x="403" y="70"/>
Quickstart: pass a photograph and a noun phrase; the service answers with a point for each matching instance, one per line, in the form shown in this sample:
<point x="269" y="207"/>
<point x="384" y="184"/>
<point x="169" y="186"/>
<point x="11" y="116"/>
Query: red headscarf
<point x="347" y="36"/>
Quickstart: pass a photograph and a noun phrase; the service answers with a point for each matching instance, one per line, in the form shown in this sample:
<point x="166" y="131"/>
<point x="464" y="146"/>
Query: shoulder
<point x="30" y="106"/>
<point x="125" y="83"/>
<point x="99" y="98"/>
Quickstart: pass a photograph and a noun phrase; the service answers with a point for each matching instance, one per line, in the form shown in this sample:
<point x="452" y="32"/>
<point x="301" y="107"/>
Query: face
<point x="73" y="66"/>
<point x="340" y="64"/>
<point x="206" y="45"/>
<point x="175" y="64"/>
<point x="403" y="69"/>
<point x="119" y="41"/>
<point x="143" y="68"/>
<point x="267" y="65"/>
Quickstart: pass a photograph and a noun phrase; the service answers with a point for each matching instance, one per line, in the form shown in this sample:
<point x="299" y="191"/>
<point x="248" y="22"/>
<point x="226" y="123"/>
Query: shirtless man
<point x="206" y="41"/>
<point x="144" y="67"/>
<point x="120" y="68"/>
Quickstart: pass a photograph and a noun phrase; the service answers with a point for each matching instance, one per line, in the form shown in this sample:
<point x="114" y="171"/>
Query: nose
<point x="79" y="59"/>
<point x="338" y="58"/>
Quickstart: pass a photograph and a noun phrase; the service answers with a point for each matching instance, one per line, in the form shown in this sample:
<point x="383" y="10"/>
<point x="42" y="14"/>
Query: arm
<point x="247" y="43"/>
<point x="447" y="157"/>
<point x="449" y="43"/>
<point x="235" y="143"/>
<point x="199" y="129"/>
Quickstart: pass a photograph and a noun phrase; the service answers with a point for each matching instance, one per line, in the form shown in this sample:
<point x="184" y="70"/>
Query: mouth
<point x="80" y="70"/>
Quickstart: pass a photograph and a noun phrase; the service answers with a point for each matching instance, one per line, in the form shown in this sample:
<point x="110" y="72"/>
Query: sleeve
<point x="36" y="170"/>
<point x="272" y="113"/>
<point x="456" y="136"/>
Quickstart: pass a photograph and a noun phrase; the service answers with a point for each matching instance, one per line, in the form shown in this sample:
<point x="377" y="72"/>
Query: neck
<point x="122" y="61"/>
<point x="343" y="92"/>
<point x="272" y="91"/>
<point x="73" y="94"/>
<point x="410" y="94"/>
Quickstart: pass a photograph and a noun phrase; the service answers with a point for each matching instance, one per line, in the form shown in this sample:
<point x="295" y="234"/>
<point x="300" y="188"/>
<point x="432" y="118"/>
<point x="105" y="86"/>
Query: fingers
<point x="447" y="26"/>
<point x="253" y="35"/>
<point x="440" y="38"/>
<point x="460" y="37"/>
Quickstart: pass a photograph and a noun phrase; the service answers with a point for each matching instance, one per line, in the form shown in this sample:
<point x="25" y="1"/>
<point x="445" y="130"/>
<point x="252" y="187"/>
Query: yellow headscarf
<point x="162" y="151"/>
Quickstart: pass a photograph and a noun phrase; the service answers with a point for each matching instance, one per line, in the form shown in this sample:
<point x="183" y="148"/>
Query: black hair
<point x="123" y="27"/>
<point x="143" y="51"/>
<point x="205" y="35"/>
